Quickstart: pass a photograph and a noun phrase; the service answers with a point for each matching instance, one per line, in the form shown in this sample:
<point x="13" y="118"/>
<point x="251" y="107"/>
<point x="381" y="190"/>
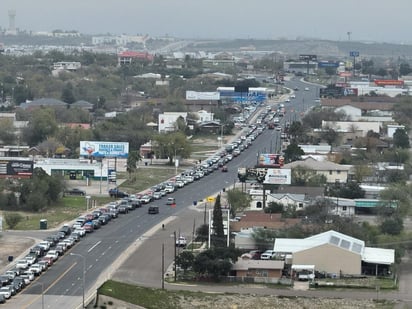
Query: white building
<point x="351" y="126"/>
<point x="167" y="121"/>
<point x="66" y="65"/>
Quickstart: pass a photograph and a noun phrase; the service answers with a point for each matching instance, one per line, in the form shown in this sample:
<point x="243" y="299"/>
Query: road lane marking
<point x="94" y="246"/>
<point x="49" y="287"/>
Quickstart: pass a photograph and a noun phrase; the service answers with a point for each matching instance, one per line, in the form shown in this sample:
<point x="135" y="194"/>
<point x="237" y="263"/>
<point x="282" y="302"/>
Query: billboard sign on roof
<point x="195" y="95"/>
<point x="278" y="176"/>
<point x="104" y="149"/>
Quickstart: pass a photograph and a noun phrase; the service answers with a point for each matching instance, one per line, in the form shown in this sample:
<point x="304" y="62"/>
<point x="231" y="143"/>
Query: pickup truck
<point x="115" y="192"/>
<point x="181" y="241"/>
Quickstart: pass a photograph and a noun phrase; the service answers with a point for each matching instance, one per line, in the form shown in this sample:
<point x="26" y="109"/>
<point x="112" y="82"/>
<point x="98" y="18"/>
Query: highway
<point x="129" y="247"/>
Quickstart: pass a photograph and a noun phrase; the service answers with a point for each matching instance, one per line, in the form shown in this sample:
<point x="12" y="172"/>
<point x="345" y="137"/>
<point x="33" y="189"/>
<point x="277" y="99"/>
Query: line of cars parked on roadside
<point x="39" y="259"/>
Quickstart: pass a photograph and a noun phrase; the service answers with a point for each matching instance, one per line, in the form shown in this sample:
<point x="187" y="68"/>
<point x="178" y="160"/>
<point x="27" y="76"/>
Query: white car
<point x="292" y="96"/>
<point x="22" y="264"/>
<point x="181" y="241"/>
<point x="45" y="245"/>
<point x="6" y="292"/>
<point x="30" y="274"/>
<point x="31" y="259"/>
<point x="53" y="254"/>
<point x="267" y="255"/>
<point x="36" y="269"/>
<point x="306" y="88"/>
<point x="81" y="231"/>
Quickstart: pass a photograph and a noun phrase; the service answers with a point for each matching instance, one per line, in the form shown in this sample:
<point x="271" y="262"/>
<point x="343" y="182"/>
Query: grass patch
<point x="147" y="177"/>
<point x="146" y="297"/>
<point x="362" y="283"/>
<point x="67" y="209"/>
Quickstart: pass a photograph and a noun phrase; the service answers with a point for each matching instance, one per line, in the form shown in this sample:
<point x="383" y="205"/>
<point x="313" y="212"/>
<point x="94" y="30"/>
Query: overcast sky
<point x="375" y="20"/>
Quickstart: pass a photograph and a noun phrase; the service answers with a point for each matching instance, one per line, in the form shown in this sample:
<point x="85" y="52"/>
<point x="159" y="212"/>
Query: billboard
<point x="388" y="82"/>
<point x="277" y="176"/>
<point x="328" y="64"/>
<point x="104" y="149"/>
<point x="273" y="176"/>
<point x="270" y="160"/>
<point x="195" y="95"/>
<point x="308" y="57"/>
<point x="16" y="168"/>
<point x="350" y="91"/>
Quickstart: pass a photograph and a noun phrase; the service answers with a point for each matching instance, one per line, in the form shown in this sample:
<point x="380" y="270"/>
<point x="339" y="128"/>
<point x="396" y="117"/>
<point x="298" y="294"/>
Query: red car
<point x="48" y="260"/>
<point x="88" y="227"/>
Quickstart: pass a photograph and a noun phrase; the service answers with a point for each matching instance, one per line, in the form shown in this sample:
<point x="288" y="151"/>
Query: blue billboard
<point x="104" y="149"/>
<point x="328" y="64"/>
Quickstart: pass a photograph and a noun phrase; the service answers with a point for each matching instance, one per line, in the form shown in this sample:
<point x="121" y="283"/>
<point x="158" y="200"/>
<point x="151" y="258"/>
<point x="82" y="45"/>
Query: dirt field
<point x="11" y="245"/>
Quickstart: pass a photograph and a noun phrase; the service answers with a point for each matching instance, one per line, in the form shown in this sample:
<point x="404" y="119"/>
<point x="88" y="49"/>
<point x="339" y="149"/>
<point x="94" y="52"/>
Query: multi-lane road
<point x="129" y="247"/>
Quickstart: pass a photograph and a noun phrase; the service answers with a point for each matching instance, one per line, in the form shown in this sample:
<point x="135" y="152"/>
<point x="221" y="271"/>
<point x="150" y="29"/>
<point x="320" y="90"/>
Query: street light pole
<point x="84" y="273"/>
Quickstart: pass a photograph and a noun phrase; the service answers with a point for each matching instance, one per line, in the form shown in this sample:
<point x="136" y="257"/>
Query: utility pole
<point x="163" y="266"/>
<point x="174" y="245"/>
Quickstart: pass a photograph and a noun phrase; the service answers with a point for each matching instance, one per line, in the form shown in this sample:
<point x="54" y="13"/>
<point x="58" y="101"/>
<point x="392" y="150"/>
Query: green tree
<point x="274" y="208"/>
<point x="296" y="130"/>
<point x="132" y="160"/>
<point x="67" y="94"/>
<point x="293" y="153"/>
<point x="202" y="233"/>
<point x="401" y="139"/>
<point x="237" y="200"/>
<point x="404" y="69"/>
<point x="185" y="260"/>
<point x="12" y="219"/>
<point x="264" y="238"/>
<point x="172" y="144"/>
<point x="218" y="238"/>
<point x="330" y="136"/>
<point x="41" y="125"/>
<point x="392" y="226"/>
<point x="7" y="135"/>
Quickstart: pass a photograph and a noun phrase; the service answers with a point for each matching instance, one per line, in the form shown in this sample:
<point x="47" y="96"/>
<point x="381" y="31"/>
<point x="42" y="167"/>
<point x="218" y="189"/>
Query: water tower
<point x="12" y="22"/>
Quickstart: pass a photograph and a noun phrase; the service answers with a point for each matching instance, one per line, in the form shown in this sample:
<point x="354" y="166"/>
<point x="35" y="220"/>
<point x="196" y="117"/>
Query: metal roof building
<point x="336" y="253"/>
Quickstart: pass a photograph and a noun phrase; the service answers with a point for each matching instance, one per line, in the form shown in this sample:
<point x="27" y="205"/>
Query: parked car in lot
<point x="2" y="299"/>
<point x="115" y="192"/>
<point x="75" y="191"/>
<point x="267" y="255"/>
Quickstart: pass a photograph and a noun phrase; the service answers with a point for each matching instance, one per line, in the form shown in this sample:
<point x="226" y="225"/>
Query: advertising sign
<point x="328" y="64"/>
<point x="271" y="176"/>
<point x="345" y="74"/>
<point x="16" y="168"/>
<point x="104" y="149"/>
<point x="354" y="53"/>
<point x="270" y="160"/>
<point x="277" y="176"/>
<point x="194" y="95"/>
<point x="388" y="82"/>
<point x="350" y="91"/>
<point x="308" y="57"/>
